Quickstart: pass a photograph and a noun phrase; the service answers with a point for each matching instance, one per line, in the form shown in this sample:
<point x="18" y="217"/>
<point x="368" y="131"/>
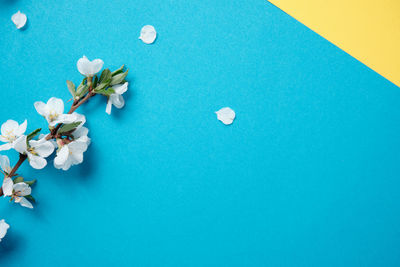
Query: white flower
<point x="70" y="154"/>
<point x="19" y="19"/>
<point x="36" y="151"/>
<point x="20" y="191"/>
<point x="89" y="68"/>
<point x="3" y="229"/>
<point x="116" y="98"/>
<point x="71" y="151"/>
<point x="10" y="131"/>
<point x="226" y="115"/>
<point x="7" y="182"/>
<point x="53" y="111"/>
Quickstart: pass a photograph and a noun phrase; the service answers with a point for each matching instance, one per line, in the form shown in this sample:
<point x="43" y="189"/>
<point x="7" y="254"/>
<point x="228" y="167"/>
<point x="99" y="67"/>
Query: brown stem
<point x="22" y="158"/>
<point x="76" y="104"/>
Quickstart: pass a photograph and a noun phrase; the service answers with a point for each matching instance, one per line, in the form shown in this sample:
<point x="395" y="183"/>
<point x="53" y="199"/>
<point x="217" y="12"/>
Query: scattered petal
<point x="226" y="115"/>
<point x="3" y="229"/>
<point x="19" y="19"/>
<point x="148" y="34"/>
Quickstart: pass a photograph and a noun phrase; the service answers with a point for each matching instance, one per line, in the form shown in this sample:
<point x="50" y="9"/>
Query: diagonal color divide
<point x="369" y="30"/>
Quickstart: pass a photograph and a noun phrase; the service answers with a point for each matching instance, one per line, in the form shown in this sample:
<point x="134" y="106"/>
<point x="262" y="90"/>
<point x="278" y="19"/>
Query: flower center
<point x="10" y="136"/>
<point x="32" y="151"/>
<point x="53" y="115"/>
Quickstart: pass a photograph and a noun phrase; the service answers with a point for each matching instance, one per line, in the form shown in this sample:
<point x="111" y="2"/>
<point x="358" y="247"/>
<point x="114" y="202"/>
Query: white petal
<point x="3" y="229"/>
<point x="5" y="163"/>
<point x="89" y="68"/>
<point x="79" y="117"/>
<point x="80" y="132"/>
<point x="83" y="65"/>
<point x="63" y="118"/>
<point x="226" y="115"/>
<point x="22" y="189"/>
<point x="25" y="203"/>
<point x="117" y="100"/>
<point x="43" y="147"/>
<point x="148" y="34"/>
<point x="109" y="106"/>
<point x="62" y="156"/>
<point x="96" y="66"/>
<point x="37" y="162"/>
<point x="76" y="158"/>
<point x="6" y="146"/>
<point x="9" y="126"/>
<point x="120" y="88"/>
<point x="20" y="144"/>
<point x="41" y="108"/>
<point x="56" y="104"/>
<point x="21" y="129"/>
<point x="7" y="187"/>
<point x="19" y="19"/>
<point x="77" y="147"/>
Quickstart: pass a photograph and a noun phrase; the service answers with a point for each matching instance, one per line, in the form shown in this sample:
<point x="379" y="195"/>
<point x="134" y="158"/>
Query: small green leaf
<point x="31" y="198"/>
<point x="105" y="92"/>
<point x="82" y="90"/>
<point x="95" y="81"/>
<point x="71" y="88"/>
<point x="33" y="134"/>
<point x="18" y="180"/>
<point x="118" y="71"/>
<point x="118" y="78"/>
<point x="68" y="127"/>
<point x="30" y="183"/>
<point x="105" y="76"/>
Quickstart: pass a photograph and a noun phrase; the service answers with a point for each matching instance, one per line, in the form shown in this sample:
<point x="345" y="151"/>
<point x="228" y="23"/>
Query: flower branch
<point x="68" y="135"/>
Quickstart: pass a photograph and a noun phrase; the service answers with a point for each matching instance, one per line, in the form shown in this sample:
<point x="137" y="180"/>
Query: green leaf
<point x="118" y="78"/>
<point x="105" y="76"/>
<point x="82" y="91"/>
<point x="118" y="71"/>
<point x="33" y="134"/>
<point x="31" y="198"/>
<point x="95" y="81"/>
<point x="30" y="183"/>
<point x="18" y="180"/>
<point x="106" y="92"/>
<point x="71" y="88"/>
<point x="81" y="85"/>
<point x="68" y="127"/>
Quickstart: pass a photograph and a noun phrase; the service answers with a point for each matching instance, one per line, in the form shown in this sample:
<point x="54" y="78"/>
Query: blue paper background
<point x="307" y="175"/>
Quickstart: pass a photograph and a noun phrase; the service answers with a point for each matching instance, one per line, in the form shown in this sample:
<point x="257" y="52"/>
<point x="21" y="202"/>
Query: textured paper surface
<point x="369" y="30"/>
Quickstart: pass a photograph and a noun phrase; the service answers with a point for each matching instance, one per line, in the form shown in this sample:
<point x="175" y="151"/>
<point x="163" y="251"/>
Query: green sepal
<point x="71" y="88"/>
<point x="68" y="127"/>
<point x="33" y="134"/>
<point x="119" y="78"/>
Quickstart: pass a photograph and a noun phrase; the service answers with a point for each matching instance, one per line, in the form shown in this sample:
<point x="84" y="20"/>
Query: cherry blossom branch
<point x="53" y="132"/>
<point x="67" y="129"/>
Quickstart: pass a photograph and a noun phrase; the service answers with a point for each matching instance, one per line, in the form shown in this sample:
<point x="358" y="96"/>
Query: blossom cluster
<point x="68" y="135"/>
